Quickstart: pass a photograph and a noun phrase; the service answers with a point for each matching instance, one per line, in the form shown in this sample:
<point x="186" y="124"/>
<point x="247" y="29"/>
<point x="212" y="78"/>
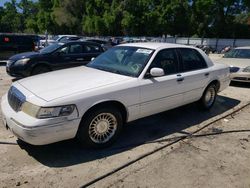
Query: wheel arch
<point x="216" y="82"/>
<point x="108" y="103"/>
<point x="42" y="64"/>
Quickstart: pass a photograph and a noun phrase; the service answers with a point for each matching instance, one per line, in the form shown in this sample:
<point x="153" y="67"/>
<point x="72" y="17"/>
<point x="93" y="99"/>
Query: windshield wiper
<point x="107" y="69"/>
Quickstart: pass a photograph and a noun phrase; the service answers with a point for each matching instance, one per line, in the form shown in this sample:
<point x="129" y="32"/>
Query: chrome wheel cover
<point x="210" y="96"/>
<point x="102" y="128"/>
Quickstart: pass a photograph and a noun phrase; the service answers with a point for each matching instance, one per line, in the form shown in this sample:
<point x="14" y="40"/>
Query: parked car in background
<point x="54" y="57"/>
<point x="55" y="39"/>
<point x="123" y="84"/>
<point x="11" y="44"/>
<point x="239" y="61"/>
<point x="105" y="44"/>
<point x="69" y="39"/>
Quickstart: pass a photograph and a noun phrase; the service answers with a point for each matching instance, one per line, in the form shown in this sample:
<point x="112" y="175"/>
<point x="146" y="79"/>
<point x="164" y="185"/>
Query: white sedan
<point x="239" y="61"/>
<point x="123" y="84"/>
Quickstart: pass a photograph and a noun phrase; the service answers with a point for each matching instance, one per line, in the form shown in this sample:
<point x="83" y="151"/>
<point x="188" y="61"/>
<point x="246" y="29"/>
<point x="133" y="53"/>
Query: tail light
<point x="6" y="39"/>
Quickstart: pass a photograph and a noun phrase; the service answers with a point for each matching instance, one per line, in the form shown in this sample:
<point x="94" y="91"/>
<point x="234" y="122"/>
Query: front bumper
<point x="37" y="131"/>
<point x="240" y="76"/>
<point x="19" y="71"/>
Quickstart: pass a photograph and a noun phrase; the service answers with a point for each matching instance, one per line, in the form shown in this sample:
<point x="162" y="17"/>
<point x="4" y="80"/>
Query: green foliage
<point x="201" y="18"/>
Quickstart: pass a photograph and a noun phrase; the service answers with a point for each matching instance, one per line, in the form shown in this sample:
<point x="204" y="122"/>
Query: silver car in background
<point x="239" y="61"/>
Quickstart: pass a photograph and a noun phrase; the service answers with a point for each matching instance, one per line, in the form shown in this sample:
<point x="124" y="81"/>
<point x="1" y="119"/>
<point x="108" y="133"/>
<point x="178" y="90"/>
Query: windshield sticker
<point x="144" y="51"/>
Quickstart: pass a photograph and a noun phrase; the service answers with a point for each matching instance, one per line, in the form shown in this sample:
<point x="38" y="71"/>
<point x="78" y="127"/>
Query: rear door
<point x="90" y="51"/>
<point x="194" y="72"/>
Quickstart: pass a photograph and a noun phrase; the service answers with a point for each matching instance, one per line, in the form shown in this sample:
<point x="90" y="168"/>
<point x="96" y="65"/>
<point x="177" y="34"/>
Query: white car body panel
<point x="235" y="62"/>
<point x="86" y="87"/>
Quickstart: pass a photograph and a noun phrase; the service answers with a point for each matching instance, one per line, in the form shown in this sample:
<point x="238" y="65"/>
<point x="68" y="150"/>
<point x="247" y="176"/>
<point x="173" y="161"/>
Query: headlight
<point x="22" y="61"/>
<point x="234" y="69"/>
<point x="247" y="69"/>
<point x="47" y="112"/>
<point x="9" y="63"/>
<point x="30" y="109"/>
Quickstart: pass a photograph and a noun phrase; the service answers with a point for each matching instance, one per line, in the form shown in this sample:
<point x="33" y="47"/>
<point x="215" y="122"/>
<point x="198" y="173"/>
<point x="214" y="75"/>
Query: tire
<point x="100" y="128"/>
<point x="208" y="98"/>
<point x="40" y="69"/>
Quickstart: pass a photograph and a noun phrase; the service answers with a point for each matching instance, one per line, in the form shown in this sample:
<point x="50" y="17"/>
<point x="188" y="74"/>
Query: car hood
<point x="66" y="82"/>
<point x="24" y="55"/>
<point x="235" y="62"/>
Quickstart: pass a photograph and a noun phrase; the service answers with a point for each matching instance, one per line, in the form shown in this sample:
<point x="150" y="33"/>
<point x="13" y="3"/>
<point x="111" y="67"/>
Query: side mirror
<point x="92" y="59"/>
<point x="157" y="72"/>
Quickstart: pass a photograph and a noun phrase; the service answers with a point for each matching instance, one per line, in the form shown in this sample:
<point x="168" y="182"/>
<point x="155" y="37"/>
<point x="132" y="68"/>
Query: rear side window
<point x="191" y="59"/>
<point x="89" y="48"/>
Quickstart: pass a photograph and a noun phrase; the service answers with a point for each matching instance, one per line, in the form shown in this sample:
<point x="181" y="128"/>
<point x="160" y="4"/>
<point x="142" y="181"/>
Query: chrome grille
<point x="15" y="99"/>
<point x="241" y="78"/>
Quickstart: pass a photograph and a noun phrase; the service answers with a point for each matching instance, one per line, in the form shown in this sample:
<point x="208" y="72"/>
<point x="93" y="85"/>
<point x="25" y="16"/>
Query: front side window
<point x="76" y="49"/>
<point x="123" y="60"/>
<point x="64" y="50"/>
<point x="50" y="48"/>
<point x="167" y="60"/>
<point x="191" y="59"/>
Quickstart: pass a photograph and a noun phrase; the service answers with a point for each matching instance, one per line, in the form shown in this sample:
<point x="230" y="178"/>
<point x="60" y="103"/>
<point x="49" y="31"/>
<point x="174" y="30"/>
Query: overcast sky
<point x="3" y="1"/>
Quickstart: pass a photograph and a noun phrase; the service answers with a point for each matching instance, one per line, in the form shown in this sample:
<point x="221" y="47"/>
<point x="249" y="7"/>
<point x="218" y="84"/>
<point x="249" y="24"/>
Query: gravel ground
<point x="214" y="161"/>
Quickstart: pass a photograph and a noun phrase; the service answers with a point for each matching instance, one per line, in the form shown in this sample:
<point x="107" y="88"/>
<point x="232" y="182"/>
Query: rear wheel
<point x="208" y="98"/>
<point x="100" y="127"/>
<point x="40" y="69"/>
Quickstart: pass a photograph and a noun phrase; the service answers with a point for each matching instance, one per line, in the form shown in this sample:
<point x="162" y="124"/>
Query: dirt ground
<point x="221" y="160"/>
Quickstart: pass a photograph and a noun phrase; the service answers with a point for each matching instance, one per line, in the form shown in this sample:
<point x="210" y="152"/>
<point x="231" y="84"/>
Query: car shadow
<point x="2" y="63"/>
<point x="15" y="79"/>
<point x="68" y="153"/>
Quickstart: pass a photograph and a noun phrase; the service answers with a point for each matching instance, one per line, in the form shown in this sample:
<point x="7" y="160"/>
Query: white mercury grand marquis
<point x="123" y="84"/>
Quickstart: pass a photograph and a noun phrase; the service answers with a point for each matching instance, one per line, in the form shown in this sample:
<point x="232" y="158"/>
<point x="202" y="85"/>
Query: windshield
<point x="238" y="53"/>
<point x="50" y="48"/>
<point x="124" y="60"/>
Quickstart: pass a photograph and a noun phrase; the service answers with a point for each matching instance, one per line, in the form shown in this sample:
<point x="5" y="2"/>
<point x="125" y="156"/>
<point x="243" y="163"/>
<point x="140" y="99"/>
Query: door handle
<point x="179" y="79"/>
<point x="207" y="74"/>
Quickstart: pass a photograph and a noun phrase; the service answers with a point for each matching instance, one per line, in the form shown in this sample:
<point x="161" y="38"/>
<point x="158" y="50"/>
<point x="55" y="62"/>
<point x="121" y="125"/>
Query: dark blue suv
<point x="54" y="57"/>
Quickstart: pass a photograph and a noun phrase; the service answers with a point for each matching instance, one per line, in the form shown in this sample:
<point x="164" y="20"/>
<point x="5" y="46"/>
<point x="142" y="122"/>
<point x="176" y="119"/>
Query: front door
<point x="162" y="93"/>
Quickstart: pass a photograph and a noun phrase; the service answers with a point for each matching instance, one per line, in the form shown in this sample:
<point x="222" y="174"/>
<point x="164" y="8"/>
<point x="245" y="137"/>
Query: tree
<point x="10" y="20"/>
<point x="69" y="14"/>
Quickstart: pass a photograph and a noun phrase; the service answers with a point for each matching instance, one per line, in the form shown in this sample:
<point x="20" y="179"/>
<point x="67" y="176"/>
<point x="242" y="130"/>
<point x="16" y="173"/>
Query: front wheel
<point x="208" y="98"/>
<point x="100" y="127"/>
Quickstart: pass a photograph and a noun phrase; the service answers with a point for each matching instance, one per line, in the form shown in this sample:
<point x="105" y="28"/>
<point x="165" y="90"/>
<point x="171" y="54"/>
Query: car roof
<point x="244" y="47"/>
<point x="155" y="45"/>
